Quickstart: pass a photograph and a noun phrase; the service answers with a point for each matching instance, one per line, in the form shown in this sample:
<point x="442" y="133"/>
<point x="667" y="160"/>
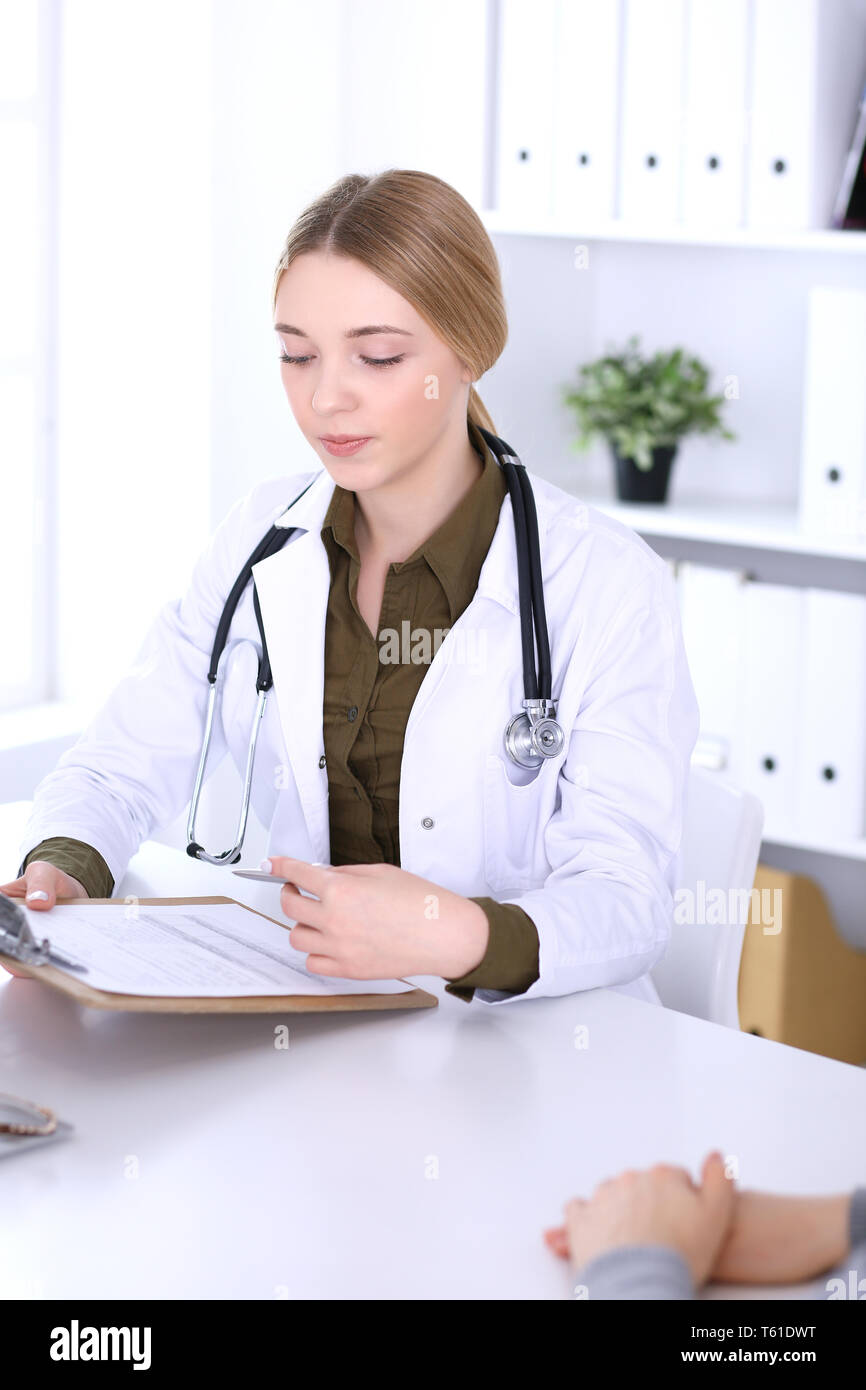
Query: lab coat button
<point x="322" y="761"/>
<point x="428" y="822"/>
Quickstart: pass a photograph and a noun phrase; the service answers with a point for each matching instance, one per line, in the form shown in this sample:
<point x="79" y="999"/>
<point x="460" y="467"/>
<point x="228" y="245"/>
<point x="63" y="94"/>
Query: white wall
<point x="133" y="322"/>
<point x="274" y="106"/>
<point x="274" y="102"/>
<point x="416" y="89"/>
<point x="191" y="136"/>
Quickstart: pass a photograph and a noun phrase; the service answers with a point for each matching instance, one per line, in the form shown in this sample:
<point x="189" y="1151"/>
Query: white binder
<point x="832" y="780"/>
<point x="715" y="103"/>
<point x="807" y="60"/>
<point x="769" y="698"/>
<point x="525" y="107"/>
<point x="651" y="160"/>
<point x="586" y="109"/>
<point x="710" y="609"/>
<point x="833" y="459"/>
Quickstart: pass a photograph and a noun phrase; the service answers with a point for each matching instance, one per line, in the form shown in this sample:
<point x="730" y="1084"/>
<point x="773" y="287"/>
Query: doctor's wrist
<point x="467" y="939"/>
<point x="80" y="861"/>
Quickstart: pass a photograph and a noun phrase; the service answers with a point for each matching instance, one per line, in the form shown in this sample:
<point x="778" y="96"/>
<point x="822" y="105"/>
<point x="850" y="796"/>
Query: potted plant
<point x="643" y="406"/>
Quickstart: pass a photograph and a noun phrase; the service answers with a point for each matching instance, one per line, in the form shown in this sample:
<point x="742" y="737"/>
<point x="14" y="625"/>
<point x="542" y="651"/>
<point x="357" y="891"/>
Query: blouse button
<point x="353" y="712"/>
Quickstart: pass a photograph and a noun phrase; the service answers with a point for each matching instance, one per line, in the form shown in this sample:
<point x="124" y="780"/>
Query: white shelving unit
<point x="753" y="527"/>
<point x="847" y="243"/>
<point x="843" y="849"/>
<point x="744" y="523"/>
<point x="585" y="100"/>
<point x="763" y="526"/>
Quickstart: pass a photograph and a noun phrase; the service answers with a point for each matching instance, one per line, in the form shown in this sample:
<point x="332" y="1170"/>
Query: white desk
<point x="264" y="1173"/>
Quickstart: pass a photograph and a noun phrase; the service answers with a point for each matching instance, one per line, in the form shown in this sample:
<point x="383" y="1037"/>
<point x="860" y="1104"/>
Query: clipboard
<point x="82" y="993"/>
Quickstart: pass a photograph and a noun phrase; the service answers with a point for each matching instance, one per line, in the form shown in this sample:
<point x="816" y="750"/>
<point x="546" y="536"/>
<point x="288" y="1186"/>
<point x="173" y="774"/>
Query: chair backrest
<point x="718" y="857"/>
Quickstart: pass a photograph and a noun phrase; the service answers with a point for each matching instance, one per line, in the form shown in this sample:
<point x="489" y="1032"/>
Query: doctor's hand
<point x="379" y="922"/>
<point x="42" y="884"/>
<point x="661" y="1206"/>
<point x="47" y="884"/>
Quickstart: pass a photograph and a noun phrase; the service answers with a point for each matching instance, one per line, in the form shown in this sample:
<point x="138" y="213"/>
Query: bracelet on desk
<point x="11" y="1128"/>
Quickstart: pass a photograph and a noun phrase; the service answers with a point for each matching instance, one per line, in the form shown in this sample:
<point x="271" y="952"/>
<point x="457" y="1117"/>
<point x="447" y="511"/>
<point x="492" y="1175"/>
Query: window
<point x="28" y="161"/>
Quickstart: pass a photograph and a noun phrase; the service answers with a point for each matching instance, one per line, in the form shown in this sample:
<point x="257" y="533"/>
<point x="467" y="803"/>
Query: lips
<point x="344" y="446"/>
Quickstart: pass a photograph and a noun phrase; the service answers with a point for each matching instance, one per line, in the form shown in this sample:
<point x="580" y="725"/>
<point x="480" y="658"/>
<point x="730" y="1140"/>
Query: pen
<point x="269" y="878"/>
<point x="257" y="873"/>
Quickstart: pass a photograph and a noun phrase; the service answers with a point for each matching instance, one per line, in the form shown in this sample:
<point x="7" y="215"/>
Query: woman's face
<point x="336" y="320"/>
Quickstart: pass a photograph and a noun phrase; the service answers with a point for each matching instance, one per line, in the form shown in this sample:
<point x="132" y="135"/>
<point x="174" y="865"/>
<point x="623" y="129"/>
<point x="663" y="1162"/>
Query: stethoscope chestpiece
<point x="532" y="737"/>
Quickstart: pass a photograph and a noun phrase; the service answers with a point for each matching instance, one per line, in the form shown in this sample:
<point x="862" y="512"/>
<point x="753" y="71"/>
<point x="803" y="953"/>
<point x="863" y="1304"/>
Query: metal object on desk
<point x="18" y="1130"/>
<point x="17" y="1105"/>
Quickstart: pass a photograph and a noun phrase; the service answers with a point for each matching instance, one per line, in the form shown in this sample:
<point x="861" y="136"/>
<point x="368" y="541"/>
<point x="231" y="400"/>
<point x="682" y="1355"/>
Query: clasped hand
<point x="660" y="1206"/>
<point x="721" y="1232"/>
<point x="378" y="922"/>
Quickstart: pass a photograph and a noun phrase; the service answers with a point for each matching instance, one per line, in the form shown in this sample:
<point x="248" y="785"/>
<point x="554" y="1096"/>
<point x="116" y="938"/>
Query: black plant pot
<point x="635" y="484"/>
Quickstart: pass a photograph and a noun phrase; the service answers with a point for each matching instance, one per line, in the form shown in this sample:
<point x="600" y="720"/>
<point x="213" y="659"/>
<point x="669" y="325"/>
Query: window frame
<point x="42" y="108"/>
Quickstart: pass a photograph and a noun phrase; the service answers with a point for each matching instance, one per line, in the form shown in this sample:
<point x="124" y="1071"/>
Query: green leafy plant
<point x="638" y="403"/>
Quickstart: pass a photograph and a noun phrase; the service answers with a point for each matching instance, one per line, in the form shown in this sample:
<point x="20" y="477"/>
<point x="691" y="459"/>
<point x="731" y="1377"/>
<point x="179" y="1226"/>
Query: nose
<point x="330" y="395"/>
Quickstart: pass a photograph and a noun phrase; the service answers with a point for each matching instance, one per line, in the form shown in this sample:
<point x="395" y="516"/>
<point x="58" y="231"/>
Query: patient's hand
<point x="661" y="1206"/>
<point x="783" y="1240"/>
<point x="771" y="1239"/>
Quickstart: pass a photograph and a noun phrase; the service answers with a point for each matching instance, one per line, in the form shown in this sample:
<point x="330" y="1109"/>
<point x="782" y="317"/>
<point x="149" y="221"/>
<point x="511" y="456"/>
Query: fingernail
<point x="38" y="893"/>
<point x="266" y="866"/>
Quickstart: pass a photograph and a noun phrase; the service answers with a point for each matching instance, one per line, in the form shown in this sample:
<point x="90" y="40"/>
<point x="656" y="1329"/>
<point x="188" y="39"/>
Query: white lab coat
<point x="587" y="845"/>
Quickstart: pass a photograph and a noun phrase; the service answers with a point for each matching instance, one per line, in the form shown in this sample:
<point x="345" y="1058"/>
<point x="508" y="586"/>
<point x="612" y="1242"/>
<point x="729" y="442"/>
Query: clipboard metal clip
<point x="18" y="941"/>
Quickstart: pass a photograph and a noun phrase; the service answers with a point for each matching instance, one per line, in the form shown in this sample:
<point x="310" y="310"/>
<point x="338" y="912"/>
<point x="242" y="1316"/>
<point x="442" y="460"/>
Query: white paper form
<point x="199" y="950"/>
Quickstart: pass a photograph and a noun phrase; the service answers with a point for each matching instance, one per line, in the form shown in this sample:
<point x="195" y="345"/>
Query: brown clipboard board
<point x="76" y="989"/>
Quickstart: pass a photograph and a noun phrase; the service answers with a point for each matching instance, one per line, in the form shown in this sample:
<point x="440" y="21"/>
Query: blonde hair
<point x="423" y="238"/>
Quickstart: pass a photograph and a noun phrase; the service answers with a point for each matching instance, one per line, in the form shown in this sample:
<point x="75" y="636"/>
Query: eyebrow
<point x="365" y="332"/>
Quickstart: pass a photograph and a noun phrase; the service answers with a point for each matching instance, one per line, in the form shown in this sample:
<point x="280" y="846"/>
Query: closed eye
<point x="370" y="361"/>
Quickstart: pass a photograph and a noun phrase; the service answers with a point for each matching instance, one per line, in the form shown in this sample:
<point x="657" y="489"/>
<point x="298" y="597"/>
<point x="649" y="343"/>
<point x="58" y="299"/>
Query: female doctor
<point x="392" y="622"/>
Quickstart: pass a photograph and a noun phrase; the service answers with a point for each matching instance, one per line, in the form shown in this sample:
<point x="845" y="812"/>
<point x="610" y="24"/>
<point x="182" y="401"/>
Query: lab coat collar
<point x="498" y="577"/>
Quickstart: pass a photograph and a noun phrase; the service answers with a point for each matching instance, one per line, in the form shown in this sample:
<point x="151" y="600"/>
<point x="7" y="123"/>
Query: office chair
<point x="699" y="973"/>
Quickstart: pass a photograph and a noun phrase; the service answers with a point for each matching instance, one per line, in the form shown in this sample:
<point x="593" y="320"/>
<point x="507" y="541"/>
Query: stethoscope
<point x="529" y="737"/>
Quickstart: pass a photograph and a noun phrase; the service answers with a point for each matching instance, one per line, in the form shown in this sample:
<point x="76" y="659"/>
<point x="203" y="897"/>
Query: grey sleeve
<point x="853" y="1267"/>
<point x="635" y="1271"/>
<point x="857" y="1225"/>
<point x="656" y="1271"/>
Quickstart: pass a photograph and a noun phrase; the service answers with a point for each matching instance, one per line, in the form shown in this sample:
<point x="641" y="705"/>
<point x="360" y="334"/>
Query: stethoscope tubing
<point x="273" y="540"/>
<point x="529" y="577"/>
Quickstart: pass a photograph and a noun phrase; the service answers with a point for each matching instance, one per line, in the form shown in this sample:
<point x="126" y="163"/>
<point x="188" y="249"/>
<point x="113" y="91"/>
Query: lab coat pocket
<point x="515" y="816"/>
